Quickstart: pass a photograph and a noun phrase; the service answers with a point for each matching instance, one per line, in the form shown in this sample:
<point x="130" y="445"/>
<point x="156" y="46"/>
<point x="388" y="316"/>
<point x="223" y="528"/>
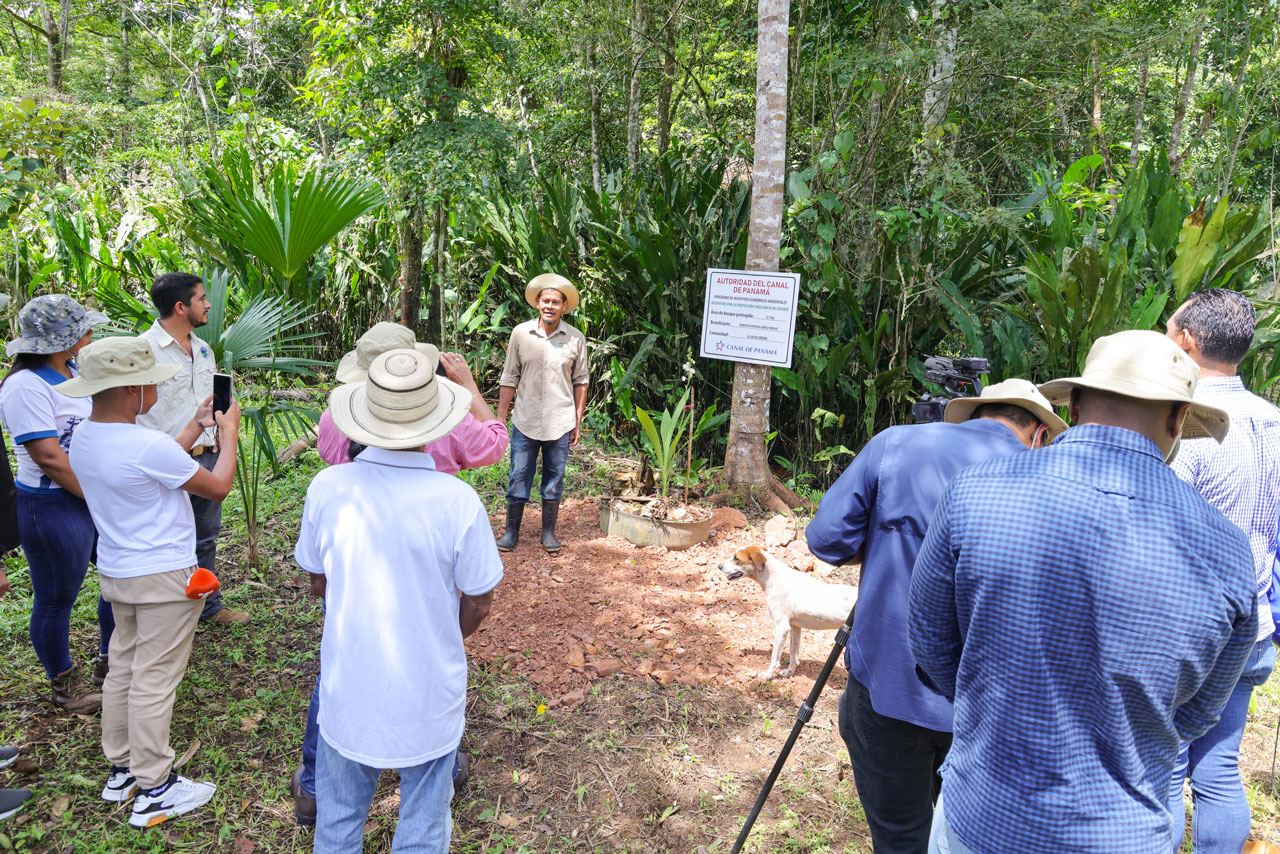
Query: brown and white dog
<point x="796" y="601"/>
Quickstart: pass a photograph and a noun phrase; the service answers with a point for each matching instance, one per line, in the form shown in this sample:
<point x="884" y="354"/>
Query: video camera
<point x="953" y="375"/>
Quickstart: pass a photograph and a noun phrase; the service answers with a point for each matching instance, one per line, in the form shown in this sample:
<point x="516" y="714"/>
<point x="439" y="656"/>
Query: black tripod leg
<point x="802" y="717"/>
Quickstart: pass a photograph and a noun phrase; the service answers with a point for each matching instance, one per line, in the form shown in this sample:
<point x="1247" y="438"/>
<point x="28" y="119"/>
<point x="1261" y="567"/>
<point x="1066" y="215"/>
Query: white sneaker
<point x="178" y="796"/>
<point x="8" y="755"/>
<point x="120" y="787"/>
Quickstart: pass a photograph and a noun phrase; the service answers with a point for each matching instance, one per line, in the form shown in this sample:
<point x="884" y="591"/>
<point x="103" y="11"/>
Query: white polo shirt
<point x="177" y="398"/>
<point x="397" y="542"/>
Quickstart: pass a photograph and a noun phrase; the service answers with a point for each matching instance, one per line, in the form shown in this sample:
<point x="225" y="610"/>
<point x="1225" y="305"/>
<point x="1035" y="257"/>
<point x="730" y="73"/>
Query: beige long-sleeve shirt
<point x="543" y="369"/>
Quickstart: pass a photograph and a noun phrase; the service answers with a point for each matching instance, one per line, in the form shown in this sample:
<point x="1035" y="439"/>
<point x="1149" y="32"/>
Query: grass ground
<point x="636" y="766"/>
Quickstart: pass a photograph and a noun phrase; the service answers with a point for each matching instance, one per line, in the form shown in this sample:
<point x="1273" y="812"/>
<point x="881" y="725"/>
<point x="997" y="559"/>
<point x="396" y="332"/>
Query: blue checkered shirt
<point x="1086" y="610"/>
<point x="1241" y="477"/>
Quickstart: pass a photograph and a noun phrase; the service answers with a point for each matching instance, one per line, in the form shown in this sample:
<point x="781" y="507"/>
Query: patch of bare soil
<point x="604" y="607"/>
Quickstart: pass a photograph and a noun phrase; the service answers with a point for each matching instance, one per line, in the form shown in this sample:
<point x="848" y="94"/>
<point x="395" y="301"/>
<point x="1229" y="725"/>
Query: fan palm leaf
<point x="285" y="223"/>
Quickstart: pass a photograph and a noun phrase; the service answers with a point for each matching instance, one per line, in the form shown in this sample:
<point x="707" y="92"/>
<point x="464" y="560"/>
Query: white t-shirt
<point x="396" y="541"/>
<point x="33" y="409"/>
<point x="132" y="480"/>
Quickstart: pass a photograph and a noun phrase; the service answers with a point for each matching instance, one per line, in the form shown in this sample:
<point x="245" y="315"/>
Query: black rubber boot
<point x="509" y="538"/>
<point x="550" y="510"/>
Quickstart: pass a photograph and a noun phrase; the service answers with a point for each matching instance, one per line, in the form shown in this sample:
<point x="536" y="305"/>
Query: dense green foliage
<point x="1005" y="179"/>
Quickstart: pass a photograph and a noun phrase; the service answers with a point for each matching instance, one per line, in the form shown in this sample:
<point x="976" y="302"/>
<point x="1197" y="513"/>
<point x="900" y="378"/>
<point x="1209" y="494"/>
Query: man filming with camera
<point x="897" y="730"/>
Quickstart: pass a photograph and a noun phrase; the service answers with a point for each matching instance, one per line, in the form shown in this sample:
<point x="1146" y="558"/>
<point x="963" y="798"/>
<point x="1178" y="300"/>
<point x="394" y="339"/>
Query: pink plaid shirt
<point x="470" y="445"/>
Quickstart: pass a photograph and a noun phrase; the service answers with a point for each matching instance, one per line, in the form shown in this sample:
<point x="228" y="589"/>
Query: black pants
<point x="895" y="767"/>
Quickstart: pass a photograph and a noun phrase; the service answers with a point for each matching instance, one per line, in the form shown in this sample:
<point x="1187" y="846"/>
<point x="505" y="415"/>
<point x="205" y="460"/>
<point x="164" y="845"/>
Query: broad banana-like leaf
<point x="1197" y="244"/>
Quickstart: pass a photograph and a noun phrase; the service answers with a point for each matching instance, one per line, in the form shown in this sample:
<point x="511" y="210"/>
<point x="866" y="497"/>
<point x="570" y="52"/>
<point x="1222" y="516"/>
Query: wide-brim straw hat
<point x="52" y="323"/>
<point x="115" y="362"/>
<point x="402" y="404"/>
<point x="1018" y="392"/>
<point x="382" y="338"/>
<point x="538" y="284"/>
<point x="1147" y="366"/>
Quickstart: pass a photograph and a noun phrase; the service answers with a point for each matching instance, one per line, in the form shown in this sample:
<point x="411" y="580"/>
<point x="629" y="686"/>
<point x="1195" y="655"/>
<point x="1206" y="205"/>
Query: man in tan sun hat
<point x="136" y="482"/>
<point x="1086" y="611"/>
<point x="896" y="730"/>
<point x="405" y="559"/>
<point x="546" y="373"/>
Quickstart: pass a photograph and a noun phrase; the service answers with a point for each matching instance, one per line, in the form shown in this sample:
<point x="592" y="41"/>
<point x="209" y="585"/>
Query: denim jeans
<point x="895" y="767"/>
<point x="1220" y="810"/>
<point x="58" y="538"/>
<point x="941" y="838"/>
<point x="524" y="462"/>
<point x="208" y="525"/>
<point x="344" y="791"/>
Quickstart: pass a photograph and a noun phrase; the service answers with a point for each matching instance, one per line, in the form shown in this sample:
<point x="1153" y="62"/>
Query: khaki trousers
<point x="155" y="624"/>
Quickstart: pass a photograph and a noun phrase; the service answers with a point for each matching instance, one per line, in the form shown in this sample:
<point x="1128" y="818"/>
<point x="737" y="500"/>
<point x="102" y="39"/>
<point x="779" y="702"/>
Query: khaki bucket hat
<point x="403" y="404"/>
<point x="382" y="338"/>
<point x="538" y="284"/>
<point x="1015" y="391"/>
<point x="115" y="362"/>
<point x="1148" y="366"/>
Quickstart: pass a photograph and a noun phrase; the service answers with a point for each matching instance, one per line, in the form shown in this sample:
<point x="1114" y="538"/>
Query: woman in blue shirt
<point x="54" y="524"/>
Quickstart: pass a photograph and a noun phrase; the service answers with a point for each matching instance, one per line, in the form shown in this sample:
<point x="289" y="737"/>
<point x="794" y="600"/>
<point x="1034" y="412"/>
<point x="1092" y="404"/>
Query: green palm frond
<point x="285" y="223"/>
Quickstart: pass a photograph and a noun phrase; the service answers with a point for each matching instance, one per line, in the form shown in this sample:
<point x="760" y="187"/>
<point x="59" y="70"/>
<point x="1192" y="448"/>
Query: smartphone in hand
<point x="221" y="392"/>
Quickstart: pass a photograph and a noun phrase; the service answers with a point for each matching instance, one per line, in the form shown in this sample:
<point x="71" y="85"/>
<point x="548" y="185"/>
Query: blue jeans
<point x="524" y="462"/>
<point x="58" y="539"/>
<point x="345" y="790"/>
<point x="942" y="840"/>
<point x="208" y="525"/>
<point x="1220" y="816"/>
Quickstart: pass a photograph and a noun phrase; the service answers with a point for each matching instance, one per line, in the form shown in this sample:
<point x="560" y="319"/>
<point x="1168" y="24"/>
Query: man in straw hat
<point x="405" y="559"/>
<point x="480" y="439"/>
<point x="1240" y="477"/>
<point x="1086" y="611"/>
<point x="896" y="730"/>
<point x="136" y="482"/>
<point x="546" y="373"/>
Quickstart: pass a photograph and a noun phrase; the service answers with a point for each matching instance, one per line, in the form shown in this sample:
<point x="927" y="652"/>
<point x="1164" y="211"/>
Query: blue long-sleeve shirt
<point x="1087" y="611"/>
<point x="882" y="505"/>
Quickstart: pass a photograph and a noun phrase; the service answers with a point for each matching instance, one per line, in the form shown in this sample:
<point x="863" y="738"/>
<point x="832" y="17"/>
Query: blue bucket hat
<point x="52" y="323"/>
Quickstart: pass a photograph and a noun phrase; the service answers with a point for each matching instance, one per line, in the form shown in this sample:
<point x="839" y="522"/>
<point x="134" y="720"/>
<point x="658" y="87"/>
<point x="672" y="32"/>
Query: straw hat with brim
<point x="1147" y="366"/>
<point x="538" y="284"/>
<point x="403" y="404"/>
<point x="1017" y="392"/>
<point x="115" y="362"/>
<point x="52" y="323"/>
<point x="382" y="338"/>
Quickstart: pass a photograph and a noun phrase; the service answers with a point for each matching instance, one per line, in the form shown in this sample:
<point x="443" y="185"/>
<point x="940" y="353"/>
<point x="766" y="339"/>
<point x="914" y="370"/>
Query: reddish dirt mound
<point x="603" y="606"/>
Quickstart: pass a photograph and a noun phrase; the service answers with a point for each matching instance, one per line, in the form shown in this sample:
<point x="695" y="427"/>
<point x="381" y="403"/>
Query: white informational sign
<point x="750" y="317"/>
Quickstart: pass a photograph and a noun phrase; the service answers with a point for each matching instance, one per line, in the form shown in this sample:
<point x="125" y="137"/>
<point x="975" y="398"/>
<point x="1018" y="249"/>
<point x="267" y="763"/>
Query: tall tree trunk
<point x="745" y="462"/>
<point x="440" y="240"/>
<point x="668" y="82"/>
<point x="595" y="120"/>
<point x="633" y="104"/>
<point x="53" y="34"/>
<point x="1184" y="97"/>
<point x="522" y="95"/>
<point x="937" y="92"/>
<point x="1138" y="111"/>
<point x="410" y="239"/>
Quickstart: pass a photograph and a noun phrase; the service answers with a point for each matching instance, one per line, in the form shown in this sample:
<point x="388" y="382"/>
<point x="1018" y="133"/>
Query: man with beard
<point x="183" y="307"/>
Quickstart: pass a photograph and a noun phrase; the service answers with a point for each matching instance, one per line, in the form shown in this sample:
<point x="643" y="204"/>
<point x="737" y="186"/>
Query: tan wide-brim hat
<point x="402" y="404"/>
<point x="115" y="362"/>
<point x="1018" y="392"/>
<point x="382" y="338"/>
<point x="1147" y="366"/>
<point x="538" y="284"/>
